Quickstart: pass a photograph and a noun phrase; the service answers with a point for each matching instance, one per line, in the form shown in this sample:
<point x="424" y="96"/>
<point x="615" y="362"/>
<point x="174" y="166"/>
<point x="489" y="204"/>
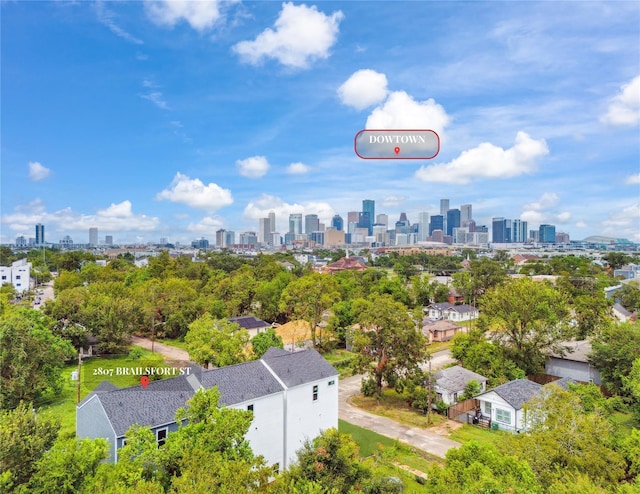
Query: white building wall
<point x="307" y="418"/>
<point x="266" y="433"/>
<point x="498" y="403"/>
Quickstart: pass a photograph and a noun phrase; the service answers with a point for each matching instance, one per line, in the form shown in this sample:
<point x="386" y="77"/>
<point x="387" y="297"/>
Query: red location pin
<point x="144" y="380"/>
<point x="396" y="150"/>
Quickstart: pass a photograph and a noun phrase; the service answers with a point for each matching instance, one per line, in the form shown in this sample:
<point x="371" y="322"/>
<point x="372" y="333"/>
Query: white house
<point x="18" y="275"/>
<point x="452" y="381"/>
<point x="503" y="405"/>
<point x="293" y="396"/>
<point x="451" y="312"/>
<point x="252" y="324"/>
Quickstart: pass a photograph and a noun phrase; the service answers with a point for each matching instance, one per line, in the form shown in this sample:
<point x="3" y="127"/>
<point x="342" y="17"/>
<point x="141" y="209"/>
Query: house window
<point x="17" y="277"/>
<point x="503" y="416"/>
<point x="250" y="408"/>
<point x="161" y="436"/>
<point x="315" y="393"/>
<point x="487" y="408"/>
<point x="455" y="397"/>
<point x="332" y="382"/>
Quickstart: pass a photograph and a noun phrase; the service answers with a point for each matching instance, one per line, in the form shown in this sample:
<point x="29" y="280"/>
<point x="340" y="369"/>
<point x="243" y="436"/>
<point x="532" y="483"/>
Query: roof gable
<point x="517" y="392"/>
<point x="456" y="378"/>
<point x="296" y="368"/>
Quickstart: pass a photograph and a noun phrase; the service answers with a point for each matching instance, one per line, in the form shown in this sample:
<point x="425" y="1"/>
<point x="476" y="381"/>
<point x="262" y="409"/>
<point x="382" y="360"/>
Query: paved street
<point x="169" y="352"/>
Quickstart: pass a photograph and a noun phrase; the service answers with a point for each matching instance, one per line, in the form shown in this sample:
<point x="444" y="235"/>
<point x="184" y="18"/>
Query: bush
<point x="136" y="353"/>
<point x="369" y="387"/>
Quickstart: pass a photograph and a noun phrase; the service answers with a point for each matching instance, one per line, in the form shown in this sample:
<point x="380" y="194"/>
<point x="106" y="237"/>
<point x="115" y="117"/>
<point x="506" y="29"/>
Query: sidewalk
<point x="425" y="440"/>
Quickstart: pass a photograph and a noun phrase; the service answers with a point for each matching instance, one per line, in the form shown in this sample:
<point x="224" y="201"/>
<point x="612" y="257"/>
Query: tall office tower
<point x="163" y="240"/>
<point x="264" y="231"/>
<point x="436" y="223"/>
<point x="272" y="221"/>
<point x="337" y="222"/>
<point x="275" y="239"/>
<point x="351" y="226"/>
<point x="444" y="206"/>
<point x="295" y="223"/>
<point x="547" y="234"/>
<point x="471" y="225"/>
<point x="423" y="226"/>
<point x="403" y="225"/>
<point x="507" y="231"/>
<point x="230" y="238"/>
<point x="39" y="234"/>
<point x="21" y="241"/>
<point x="364" y="221"/>
<point x="352" y="216"/>
<point x="221" y="238"/>
<point x="249" y="238"/>
<point x="437" y="235"/>
<point x="498" y="230"/>
<point x="534" y="235"/>
<point x="108" y="240"/>
<point x="453" y="220"/>
<point x="562" y="238"/>
<point x="311" y="223"/>
<point x="317" y="237"/>
<point x="93" y="236"/>
<point x="382" y="219"/>
<point x="519" y="231"/>
<point x="369" y="206"/>
<point x="465" y="214"/>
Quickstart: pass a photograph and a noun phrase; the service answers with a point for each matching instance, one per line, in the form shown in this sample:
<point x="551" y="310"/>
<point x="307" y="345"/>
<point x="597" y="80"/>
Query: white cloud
<point x="624" y="108"/>
<point x="206" y="226"/>
<point x="633" y="179"/>
<point x="301" y="35"/>
<point x="541" y="211"/>
<point x="364" y="88"/>
<point x="488" y="161"/>
<point x="156" y="98"/>
<point x="201" y="15"/>
<point x="392" y="201"/>
<point x="260" y="208"/>
<point x="401" y="111"/>
<point x="38" y="172"/>
<point x="116" y="217"/>
<point x="194" y="193"/>
<point x="581" y="224"/>
<point x="546" y="201"/>
<point x="298" y="169"/>
<point x="253" y="167"/>
<point x="624" y="222"/>
<point x="106" y="17"/>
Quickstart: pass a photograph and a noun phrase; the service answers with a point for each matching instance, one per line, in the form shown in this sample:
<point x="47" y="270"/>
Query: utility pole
<point x="79" y="374"/>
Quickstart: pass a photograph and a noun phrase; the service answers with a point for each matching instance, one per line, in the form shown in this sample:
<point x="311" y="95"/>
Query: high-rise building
<point x="311" y="223"/>
<point x="221" y="238"/>
<point x="453" y="220"/>
<point x="508" y="230"/>
<point x="534" y="235"/>
<point x="498" y="230"/>
<point x="519" y="231"/>
<point x="163" y="240"/>
<point x="230" y="238"/>
<point x="423" y="226"/>
<point x="272" y="221"/>
<point x="317" y="237"/>
<point x="264" y="231"/>
<point x="562" y="238"/>
<point x="203" y="243"/>
<point x="547" y="234"/>
<point x="466" y="214"/>
<point x="436" y="223"/>
<point x="93" y="236"/>
<point x="249" y="238"/>
<point x="369" y="206"/>
<point x="108" y="240"/>
<point x="333" y="236"/>
<point x="402" y="225"/>
<point x="352" y="216"/>
<point x="39" y="234"/>
<point x="382" y="219"/>
<point x="337" y="222"/>
<point x="444" y="206"/>
<point x="295" y="223"/>
<point x="21" y="241"/>
<point x="364" y="220"/>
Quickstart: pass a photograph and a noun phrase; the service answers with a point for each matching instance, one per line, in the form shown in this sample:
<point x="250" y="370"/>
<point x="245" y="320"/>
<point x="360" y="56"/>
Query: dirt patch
<point x="445" y="428"/>
<point x="409" y="469"/>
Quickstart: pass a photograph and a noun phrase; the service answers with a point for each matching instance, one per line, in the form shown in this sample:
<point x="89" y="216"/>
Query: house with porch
<point x="293" y="396"/>
<point x="452" y="381"/>
<point x="451" y="312"/>
<point x="503" y="406"/>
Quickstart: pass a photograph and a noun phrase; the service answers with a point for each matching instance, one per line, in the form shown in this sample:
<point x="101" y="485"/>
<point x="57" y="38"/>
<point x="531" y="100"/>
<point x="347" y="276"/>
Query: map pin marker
<point x="144" y="380"/>
<point x="396" y="150"/>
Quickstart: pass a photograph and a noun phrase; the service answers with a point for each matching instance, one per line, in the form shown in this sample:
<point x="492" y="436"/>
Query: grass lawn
<point x="625" y="423"/>
<point x="468" y="433"/>
<point x="393" y="406"/>
<point x="341" y="359"/>
<point x="178" y="343"/>
<point x="94" y="371"/>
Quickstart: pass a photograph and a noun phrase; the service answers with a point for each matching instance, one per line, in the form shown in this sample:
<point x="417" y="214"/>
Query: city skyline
<point x="150" y="122"/>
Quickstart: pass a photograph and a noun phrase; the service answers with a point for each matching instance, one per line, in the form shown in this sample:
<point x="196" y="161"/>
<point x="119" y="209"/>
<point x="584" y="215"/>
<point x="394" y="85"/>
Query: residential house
<point x="293" y="396"/>
<point x="628" y="272"/>
<point x="18" y="275"/>
<point x="452" y="381"/>
<point x="440" y="330"/>
<point x="574" y="363"/>
<point x="251" y="323"/>
<point x="622" y="314"/>
<point x="503" y="405"/>
<point x="451" y="312"/>
<point x="345" y="264"/>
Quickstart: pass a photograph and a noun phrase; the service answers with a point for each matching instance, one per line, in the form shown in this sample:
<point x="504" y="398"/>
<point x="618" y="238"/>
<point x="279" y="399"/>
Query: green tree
<point x="68" y="467"/>
<point x="483" y="274"/>
<point x="616" y="260"/>
<point x="478" y="469"/>
<point x="629" y="297"/>
<point x="265" y="340"/>
<point x="330" y="460"/>
<point x="528" y="319"/>
<point x="471" y="389"/>
<point x="308" y="297"/>
<point x="217" y="342"/>
<point x="267" y="297"/>
<point x="388" y="344"/>
<point x="613" y="353"/>
<point x="24" y="437"/>
<point x="31" y="357"/>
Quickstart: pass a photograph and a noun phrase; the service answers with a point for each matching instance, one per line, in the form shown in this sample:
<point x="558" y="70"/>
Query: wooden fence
<point x="462" y="407"/>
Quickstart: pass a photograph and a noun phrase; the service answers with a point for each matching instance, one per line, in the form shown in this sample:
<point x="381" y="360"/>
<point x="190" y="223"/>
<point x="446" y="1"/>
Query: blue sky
<point x="152" y="119"/>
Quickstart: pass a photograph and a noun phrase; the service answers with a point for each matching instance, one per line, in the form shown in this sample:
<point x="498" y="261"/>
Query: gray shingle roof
<point x="249" y="322"/>
<point x="298" y="367"/>
<point x="463" y="308"/>
<point x="456" y="378"/>
<point x="517" y="392"/>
